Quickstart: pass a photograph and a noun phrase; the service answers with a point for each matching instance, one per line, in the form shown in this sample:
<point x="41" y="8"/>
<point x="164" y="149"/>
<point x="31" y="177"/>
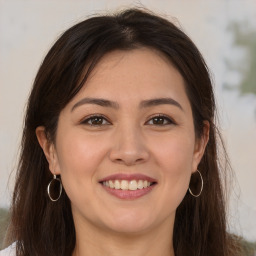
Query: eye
<point x="160" y="120"/>
<point x="96" y="120"/>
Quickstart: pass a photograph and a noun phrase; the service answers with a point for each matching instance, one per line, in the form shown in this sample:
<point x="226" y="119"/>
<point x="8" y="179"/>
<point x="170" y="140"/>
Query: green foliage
<point x="249" y="248"/>
<point x="3" y="225"/>
<point x="245" y="39"/>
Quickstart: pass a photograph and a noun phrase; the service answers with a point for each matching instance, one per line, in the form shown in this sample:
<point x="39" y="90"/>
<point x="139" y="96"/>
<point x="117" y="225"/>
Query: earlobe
<point x="48" y="148"/>
<point x="201" y="144"/>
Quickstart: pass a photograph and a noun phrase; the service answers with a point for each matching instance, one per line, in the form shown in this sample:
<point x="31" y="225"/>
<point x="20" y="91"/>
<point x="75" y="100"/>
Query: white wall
<point x="29" y="27"/>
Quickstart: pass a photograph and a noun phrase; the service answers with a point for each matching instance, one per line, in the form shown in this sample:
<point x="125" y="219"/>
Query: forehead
<point x="134" y="74"/>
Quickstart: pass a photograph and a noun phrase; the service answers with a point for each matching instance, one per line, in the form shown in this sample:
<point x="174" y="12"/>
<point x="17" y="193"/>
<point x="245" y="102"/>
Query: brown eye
<point x="160" y="120"/>
<point x="96" y="121"/>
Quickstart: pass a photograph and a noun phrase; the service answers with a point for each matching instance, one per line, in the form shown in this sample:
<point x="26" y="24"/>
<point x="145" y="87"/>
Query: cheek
<point x="175" y="153"/>
<point x="78" y="159"/>
<point x="78" y="152"/>
<point x="175" y="158"/>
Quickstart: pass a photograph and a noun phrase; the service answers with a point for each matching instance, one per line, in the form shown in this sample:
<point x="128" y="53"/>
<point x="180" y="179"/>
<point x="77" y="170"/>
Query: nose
<point x="129" y="147"/>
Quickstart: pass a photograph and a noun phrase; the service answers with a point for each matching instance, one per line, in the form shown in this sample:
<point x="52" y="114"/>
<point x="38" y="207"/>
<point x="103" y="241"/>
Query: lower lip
<point x="128" y="194"/>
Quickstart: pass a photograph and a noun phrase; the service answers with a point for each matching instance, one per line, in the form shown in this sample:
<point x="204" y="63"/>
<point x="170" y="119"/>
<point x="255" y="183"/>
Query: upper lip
<point x="128" y="177"/>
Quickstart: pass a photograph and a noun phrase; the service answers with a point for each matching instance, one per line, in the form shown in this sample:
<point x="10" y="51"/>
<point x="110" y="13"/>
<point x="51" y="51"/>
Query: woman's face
<point x="125" y="145"/>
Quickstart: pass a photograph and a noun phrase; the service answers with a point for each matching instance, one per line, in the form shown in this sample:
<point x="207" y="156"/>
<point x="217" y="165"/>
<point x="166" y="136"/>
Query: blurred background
<point x="223" y="30"/>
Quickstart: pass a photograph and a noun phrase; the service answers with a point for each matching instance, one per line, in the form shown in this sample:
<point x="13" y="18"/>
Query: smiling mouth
<point x="130" y="185"/>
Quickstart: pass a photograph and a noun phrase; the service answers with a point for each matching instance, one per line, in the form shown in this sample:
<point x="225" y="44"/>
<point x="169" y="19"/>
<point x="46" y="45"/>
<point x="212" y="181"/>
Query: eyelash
<point x="90" y="118"/>
<point x="166" y="119"/>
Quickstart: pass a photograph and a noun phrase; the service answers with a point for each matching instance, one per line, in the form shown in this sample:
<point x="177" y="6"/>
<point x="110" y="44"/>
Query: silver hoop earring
<point x="202" y="186"/>
<point x="49" y="187"/>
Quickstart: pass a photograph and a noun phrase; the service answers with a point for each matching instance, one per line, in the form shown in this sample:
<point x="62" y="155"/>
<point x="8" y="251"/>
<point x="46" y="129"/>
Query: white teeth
<point x="124" y="185"/>
<point x="133" y="185"/>
<point x="127" y="185"/>
<point x="117" y="184"/>
<point x="140" y="184"/>
<point x="111" y="184"/>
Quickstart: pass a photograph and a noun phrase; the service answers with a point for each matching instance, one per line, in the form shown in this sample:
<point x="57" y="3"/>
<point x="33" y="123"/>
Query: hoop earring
<point x="49" y="186"/>
<point x="202" y="186"/>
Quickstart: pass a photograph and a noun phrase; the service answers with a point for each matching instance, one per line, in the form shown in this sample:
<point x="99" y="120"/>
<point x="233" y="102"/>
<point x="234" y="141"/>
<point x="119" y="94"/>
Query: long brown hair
<point x="41" y="227"/>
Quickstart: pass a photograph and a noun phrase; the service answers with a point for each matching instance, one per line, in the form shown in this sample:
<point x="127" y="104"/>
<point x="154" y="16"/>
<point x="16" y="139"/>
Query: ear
<point x="49" y="150"/>
<point x="200" y="146"/>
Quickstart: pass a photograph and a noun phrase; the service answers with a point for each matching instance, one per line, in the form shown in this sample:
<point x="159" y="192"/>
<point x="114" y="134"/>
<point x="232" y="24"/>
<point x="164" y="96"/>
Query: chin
<point x="127" y="228"/>
<point x="130" y="223"/>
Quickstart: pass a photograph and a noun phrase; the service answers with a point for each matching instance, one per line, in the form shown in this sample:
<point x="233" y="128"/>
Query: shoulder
<point x="9" y="251"/>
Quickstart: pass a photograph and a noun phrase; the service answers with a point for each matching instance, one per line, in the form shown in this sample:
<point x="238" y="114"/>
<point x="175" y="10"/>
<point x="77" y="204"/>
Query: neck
<point x="97" y="242"/>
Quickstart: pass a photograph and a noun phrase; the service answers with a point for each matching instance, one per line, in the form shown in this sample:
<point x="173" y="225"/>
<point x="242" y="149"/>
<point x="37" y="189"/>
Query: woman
<point x="121" y="115"/>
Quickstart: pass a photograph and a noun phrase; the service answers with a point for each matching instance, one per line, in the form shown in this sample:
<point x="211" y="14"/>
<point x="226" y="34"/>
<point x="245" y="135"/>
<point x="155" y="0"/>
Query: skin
<point x="126" y="141"/>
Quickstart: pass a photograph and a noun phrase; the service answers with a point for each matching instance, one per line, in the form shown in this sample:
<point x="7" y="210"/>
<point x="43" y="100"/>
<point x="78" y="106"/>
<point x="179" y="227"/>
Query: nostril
<point x="128" y="156"/>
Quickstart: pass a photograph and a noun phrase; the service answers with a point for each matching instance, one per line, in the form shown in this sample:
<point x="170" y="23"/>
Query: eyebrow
<point x="115" y="105"/>
<point x="96" y="101"/>
<point x="160" y="101"/>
